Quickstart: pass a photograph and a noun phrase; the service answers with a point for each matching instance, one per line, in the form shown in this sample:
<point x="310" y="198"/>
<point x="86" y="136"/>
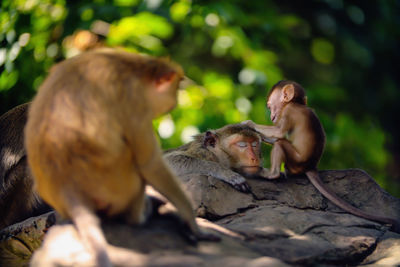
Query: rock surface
<point x="19" y="241"/>
<point x="284" y="222"/>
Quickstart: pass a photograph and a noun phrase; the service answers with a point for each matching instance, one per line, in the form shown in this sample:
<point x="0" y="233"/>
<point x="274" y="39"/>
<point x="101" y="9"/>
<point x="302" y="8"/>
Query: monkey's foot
<point x="274" y="175"/>
<point x="267" y="174"/>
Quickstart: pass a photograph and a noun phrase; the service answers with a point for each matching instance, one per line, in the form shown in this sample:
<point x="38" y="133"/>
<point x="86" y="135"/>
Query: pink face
<point x="275" y="104"/>
<point x="247" y="151"/>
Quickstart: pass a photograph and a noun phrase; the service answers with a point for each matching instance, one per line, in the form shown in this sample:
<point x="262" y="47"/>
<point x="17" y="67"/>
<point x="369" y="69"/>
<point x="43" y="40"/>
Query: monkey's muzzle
<point x="250" y="169"/>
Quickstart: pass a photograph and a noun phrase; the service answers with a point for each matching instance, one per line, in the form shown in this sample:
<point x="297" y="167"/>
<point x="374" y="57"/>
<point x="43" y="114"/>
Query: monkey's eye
<point x="254" y="144"/>
<point x="242" y="144"/>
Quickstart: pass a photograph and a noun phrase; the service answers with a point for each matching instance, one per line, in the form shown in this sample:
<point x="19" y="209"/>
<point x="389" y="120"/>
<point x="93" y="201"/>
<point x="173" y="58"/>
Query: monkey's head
<point x="282" y="93"/>
<point x="163" y="86"/>
<point x="130" y="75"/>
<point x="237" y="147"/>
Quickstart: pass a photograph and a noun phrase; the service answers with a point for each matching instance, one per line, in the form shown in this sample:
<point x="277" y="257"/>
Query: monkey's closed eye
<point x="254" y="144"/>
<point x="242" y="144"/>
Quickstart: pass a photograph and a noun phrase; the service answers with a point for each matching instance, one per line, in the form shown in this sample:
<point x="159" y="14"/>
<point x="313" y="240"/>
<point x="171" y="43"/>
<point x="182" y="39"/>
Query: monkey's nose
<point x="254" y="160"/>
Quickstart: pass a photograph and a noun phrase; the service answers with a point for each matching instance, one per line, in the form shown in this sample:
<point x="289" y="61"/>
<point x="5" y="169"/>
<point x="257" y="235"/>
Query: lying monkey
<point x="228" y="154"/>
<point x="90" y="142"/>
<point x="18" y="200"/>
<point x="300" y="142"/>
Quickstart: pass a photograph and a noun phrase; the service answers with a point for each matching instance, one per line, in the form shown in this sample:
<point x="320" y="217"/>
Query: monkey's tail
<point x="89" y="229"/>
<point x="314" y="178"/>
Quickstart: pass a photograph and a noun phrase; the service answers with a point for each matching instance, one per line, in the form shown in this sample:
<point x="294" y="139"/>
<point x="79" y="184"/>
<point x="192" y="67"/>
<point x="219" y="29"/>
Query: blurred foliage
<point x="342" y="52"/>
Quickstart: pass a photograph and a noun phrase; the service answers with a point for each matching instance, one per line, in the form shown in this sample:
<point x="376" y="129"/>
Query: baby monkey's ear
<point x="288" y="92"/>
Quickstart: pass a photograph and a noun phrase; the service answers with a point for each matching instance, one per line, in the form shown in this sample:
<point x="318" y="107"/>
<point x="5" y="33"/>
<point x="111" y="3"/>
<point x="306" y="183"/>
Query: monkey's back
<point x="307" y="134"/>
<point x="75" y="137"/>
<point x="17" y="200"/>
<point x="11" y="138"/>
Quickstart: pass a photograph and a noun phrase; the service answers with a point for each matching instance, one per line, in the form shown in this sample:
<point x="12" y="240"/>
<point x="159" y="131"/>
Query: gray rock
<point x="285" y="222"/>
<point x="305" y="236"/>
<point x="212" y="198"/>
<point x="386" y="253"/>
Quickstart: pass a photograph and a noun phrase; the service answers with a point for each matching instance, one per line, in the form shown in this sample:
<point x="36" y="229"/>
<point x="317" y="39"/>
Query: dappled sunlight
<point x="8" y="158"/>
<point x="301" y="237"/>
<point x="243" y="105"/>
<point x="188" y="132"/>
<point x="212" y="19"/>
<point x="144" y="29"/>
<point x="166" y="128"/>
<point x="323" y="51"/>
<point x="62" y="244"/>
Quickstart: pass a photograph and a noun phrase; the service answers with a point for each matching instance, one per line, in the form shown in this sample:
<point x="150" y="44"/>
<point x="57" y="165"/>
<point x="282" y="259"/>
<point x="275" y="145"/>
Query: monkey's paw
<point x="249" y="123"/>
<point x="239" y="183"/>
<point x="242" y="187"/>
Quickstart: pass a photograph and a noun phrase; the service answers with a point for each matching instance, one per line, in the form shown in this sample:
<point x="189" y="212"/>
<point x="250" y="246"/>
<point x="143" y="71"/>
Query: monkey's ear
<point x="164" y="82"/>
<point x="210" y="139"/>
<point x="288" y="92"/>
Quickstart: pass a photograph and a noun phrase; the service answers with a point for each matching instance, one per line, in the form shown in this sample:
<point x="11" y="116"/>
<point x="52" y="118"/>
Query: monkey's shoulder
<point x="12" y="149"/>
<point x="177" y="149"/>
<point x="305" y="126"/>
<point x="12" y="125"/>
<point x="297" y="112"/>
<point x="192" y="150"/>
<point x="14" y="118"/>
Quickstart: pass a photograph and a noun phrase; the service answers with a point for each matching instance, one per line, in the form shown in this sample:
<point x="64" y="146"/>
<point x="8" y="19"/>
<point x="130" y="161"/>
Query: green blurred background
<point x="345" y="53"/>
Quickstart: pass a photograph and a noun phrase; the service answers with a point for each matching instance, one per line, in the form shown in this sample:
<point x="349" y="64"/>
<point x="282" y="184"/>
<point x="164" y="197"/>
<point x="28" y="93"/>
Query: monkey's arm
<point x="155" y="172"/>
<point x="184" y="164"/>
<point x="269" y="133"/>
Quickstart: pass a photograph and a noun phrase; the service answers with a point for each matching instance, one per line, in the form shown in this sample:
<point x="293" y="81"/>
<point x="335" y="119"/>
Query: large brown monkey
<point x="226" y="154"/>
<point x="18" y="200"/>
<point x="90" y="141"/>
<point x="300" y="142"/>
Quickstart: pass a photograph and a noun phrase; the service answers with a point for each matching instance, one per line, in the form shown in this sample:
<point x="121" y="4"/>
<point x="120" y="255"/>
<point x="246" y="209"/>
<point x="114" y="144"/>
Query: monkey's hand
<point x="249" y="123"/>
<point x="238" y="182"/>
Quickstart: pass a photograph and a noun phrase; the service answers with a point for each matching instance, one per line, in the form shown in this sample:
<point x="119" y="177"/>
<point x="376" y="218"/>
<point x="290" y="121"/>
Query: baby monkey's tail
<point x="314" y="178"/>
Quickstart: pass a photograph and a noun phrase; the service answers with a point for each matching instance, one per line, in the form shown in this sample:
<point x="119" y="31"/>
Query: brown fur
<point x="18" y="200"/>
<point x="90" y="141"/>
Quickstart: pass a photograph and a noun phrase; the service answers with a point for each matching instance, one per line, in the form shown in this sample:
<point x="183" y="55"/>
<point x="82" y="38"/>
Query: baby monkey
<point x="90" y="142"/>
<point x="300" y="141"/>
